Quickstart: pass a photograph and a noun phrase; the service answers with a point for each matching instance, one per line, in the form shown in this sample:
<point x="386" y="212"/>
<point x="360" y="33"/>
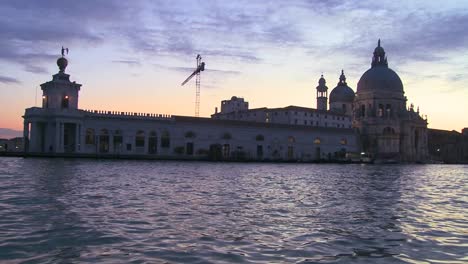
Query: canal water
<point x="114" y="211"/>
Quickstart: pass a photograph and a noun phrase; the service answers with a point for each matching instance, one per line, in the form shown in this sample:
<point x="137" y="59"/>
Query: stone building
<point x="387" y="128"/>
<point x="374" y="120"/>
<point x="60" y="128"/>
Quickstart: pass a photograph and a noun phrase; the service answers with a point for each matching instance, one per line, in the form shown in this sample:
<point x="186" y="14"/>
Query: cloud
<point x="30" y="29"/>
<point x="128" y="62"/>
<point x="8" y="80"/>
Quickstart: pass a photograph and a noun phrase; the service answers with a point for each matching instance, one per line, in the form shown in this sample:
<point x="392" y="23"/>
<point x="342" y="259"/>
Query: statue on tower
<point x="63" y="51"/>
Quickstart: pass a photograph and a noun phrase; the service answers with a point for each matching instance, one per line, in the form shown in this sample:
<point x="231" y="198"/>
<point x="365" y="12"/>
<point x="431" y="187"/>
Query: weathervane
<point x="63" y="51"/>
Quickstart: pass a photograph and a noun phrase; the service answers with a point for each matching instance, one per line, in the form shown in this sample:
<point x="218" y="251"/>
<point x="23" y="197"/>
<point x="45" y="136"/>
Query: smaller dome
<point x="342" y="92"/>
<point x="62" y="63"/>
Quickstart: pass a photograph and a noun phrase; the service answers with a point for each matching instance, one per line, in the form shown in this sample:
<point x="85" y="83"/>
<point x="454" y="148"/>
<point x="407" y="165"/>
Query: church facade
<point x="372" y="120"/>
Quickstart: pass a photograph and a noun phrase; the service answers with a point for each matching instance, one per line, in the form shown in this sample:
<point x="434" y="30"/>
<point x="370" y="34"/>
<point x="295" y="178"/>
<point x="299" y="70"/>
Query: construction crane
<point x="196" y="73"/>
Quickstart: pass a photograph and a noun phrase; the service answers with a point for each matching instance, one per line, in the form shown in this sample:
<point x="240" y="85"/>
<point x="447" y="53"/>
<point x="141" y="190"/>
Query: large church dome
<point x="379" y="77"/>
<point x="342" y="92"/>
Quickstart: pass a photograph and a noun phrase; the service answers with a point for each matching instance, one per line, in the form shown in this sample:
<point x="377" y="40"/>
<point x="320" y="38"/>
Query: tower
<point x="322" y="94"/>
<point x="56" y="126"/>
<point x="60" y="93"/>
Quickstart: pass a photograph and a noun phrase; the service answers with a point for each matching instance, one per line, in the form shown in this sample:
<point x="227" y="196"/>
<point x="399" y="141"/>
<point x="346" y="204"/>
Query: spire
<point x="379" y="58"/>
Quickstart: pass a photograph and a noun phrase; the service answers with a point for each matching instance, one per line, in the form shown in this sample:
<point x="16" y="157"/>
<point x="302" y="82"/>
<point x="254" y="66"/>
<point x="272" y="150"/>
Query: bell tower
<point x="322" y="94"/>
<point x="60" y="93"/>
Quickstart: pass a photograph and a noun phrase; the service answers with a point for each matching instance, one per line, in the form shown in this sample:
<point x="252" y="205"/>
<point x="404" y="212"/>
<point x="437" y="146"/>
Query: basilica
<point x="373" y="121"/>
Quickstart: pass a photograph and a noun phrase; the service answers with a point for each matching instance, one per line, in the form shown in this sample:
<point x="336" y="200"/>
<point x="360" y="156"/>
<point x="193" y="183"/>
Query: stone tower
<point x="322" y="94"/>
<point x="55" y="127"/>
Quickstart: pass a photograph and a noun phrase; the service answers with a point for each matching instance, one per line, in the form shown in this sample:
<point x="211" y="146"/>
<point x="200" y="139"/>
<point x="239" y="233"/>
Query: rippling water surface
<point x="81" y="211"/>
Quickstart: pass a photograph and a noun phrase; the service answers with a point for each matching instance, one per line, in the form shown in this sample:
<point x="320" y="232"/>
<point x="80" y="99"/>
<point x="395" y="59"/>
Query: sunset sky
<point x="133" y="55"/>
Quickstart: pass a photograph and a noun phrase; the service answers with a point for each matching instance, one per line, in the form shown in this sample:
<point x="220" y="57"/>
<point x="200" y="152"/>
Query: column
<point x="34" y="136"/>
<point x="77" y="138"/>
<point x="57" y="137"/>
<point x="26" y="136"/>
<point x="111" y="142"/>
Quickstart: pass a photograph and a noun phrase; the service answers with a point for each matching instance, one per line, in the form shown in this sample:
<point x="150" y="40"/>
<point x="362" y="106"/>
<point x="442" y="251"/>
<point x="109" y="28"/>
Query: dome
<point x="379" y="77"/>
<point x="342" y="92"/>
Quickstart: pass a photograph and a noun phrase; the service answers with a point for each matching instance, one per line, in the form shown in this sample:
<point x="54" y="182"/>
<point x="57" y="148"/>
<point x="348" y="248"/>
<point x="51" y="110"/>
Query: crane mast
<point x="200" y="67"/>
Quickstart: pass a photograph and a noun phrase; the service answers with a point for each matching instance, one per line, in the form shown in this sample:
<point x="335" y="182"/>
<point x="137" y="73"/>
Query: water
<point x="92" y="211"/>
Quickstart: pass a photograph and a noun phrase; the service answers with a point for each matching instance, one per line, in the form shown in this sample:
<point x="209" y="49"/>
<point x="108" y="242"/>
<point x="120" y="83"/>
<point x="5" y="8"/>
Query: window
<point x="363" y="110"/>
<point x="45" y="102"/>
<point x="117" y="139"/>
<point x="65" y="100"/>
<point x="291" y="139"/>
<point x="305" y="122"/>
<point x="226" y="150"/>
<point x="189" y="148"/>
<point x="129" y="147"/>
<point x="317" y="141"/>
<point x="89" y="138"/>
<point x="343" y="141"/>
<point x="165" y="140"/>
<point x="152" y="143"/>
<point x="381" y="110"/>
<point x="140" y="139"/>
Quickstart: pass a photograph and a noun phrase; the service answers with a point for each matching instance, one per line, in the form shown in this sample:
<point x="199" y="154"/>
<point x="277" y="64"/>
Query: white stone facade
<point x="59" y="127"/>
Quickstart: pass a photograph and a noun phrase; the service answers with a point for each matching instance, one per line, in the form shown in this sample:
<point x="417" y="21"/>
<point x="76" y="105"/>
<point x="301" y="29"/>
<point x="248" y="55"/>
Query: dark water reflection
<point x="72" y="211"/>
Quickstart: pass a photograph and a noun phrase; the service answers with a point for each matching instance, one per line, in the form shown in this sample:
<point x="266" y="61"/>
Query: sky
<point x="133" y="55"/>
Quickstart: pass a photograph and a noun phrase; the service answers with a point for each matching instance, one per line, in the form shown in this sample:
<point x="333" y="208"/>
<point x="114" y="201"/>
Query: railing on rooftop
<point x="127" y="114"/>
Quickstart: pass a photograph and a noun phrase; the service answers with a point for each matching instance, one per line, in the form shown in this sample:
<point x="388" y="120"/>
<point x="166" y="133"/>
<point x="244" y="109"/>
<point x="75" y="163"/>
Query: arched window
<point x="89" y="137"/>
<point x="381" y="110"/>
<point x="165" y="140"/>
<point x="140" y="139"/>
<point x="152" y="143"/>
<point x="317" y="141"/>
<point x="104" y="140"/>
<point x="388" y="110"/>
<point x="118" y="140"/>
<point x="65" y="101"/>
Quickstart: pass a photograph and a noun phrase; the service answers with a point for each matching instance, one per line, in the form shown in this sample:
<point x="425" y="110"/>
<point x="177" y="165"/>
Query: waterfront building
<point x="59" y="127"/>
<point x="374" y="120"/>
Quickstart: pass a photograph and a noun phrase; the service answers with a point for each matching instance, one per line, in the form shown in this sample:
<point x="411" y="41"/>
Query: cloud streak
<point x="8" y="80"/>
